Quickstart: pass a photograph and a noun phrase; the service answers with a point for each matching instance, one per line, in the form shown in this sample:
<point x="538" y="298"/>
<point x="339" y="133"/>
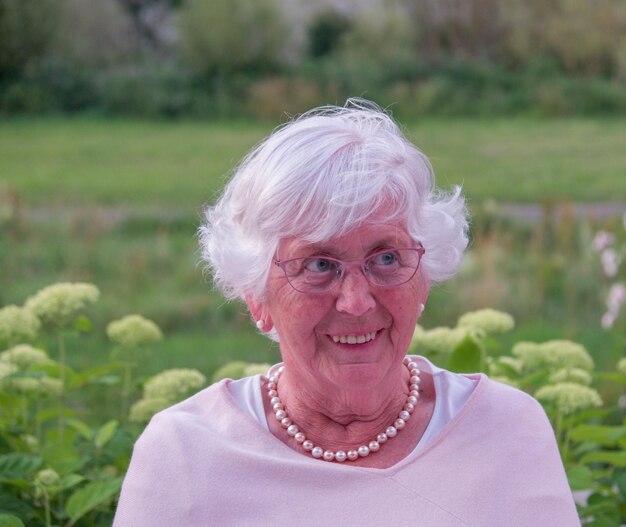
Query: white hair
<point x="316" y="178"/>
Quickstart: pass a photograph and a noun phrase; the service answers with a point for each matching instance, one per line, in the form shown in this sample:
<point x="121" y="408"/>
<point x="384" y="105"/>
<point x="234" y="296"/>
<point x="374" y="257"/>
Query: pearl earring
<point x="260" y="324"/>
<point x="421" y="308"/>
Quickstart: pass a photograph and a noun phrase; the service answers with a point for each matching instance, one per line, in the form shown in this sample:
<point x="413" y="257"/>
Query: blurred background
<point x="120" y="120"/>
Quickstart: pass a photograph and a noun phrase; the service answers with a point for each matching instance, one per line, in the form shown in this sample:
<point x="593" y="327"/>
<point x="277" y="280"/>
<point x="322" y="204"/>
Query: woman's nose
<point x="354" y="293"/>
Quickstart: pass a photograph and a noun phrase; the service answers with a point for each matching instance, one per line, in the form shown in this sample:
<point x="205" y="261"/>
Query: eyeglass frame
<point x="345" y="265"/>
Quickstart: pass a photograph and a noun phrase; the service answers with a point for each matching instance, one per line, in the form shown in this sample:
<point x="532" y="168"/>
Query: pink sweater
<point x="205" y="462"/>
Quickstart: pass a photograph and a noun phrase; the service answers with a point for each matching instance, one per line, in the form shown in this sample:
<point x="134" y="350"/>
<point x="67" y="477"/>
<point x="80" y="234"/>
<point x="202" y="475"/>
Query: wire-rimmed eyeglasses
<point x="383" y="268"/>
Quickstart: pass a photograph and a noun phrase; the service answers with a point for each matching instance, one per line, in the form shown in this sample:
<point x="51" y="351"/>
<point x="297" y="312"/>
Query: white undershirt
<point x="451" y="393"/>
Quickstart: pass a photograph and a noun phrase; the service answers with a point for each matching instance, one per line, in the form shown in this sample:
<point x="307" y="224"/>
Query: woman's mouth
<point x="354" y="339"/>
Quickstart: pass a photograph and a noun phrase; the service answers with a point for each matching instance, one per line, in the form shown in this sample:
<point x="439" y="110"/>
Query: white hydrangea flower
<point x="621" y="366"/>
<point x="174" y="385"/>
<point x="47" y="477"/>
<point x="440" y="339"/>
<point x="18" y="324"/>
<point x="569" y="397"/>
<point x="231" y="370"/>
<point x="255" y="369"/>
<point x="6" y="369"/>
<point x="58" y="303"/>
<point x="25" y="356"/>
<point x="133" y="331"/>
<point x="554" y="354"/>
<point x="509" y="363"/>
<point x="489" y="321"/>
<point x="143" y="410"/>
<point x="575" y="375"/>
<point x="43" y="386"/>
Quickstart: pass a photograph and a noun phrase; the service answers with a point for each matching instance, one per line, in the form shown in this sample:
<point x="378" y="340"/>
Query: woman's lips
<point x="354" y="338"/>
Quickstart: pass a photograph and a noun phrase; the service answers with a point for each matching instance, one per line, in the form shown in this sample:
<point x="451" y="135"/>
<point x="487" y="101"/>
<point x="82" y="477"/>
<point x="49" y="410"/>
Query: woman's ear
<point x="260" y="314"/>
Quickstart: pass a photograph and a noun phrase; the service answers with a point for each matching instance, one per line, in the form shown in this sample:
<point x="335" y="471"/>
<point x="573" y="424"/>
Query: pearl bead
<point x="272" y="393"/>
<point x="414" y="393"/>
<point x="280" y="415"/>
<point x="352" y="455"/>
<point x="278" y="406"/>
<point x="374" y="446"/>
<point x="307" y="445"/>
<point x="404" y="415"/>
<point x="363" y="451"/>
<point x="281" y="369"/>
<point x="286" y="422"/>
<point x="399" y="424"/>
<point x="329" y="455"/>
<point x="273" y="378"/>
<point x="271" y="385"/>
<point x="299" y="437"/>
<point x="317" y="452"/>
<point x="409" y="407"/>
<point x="411" y="399"/>
<point x="414" y="372"/>
<point x="414" y="388"/>
<point x="275" y="400"/>
<point x="391" y="431"/>
<point x="340" y="456"/>
<point x="415" y="379"/>
<point x="381" y="438"/>
<point x="292" y="430"/>
<point x="406" y="360"/>
<point x="412" y="365"/>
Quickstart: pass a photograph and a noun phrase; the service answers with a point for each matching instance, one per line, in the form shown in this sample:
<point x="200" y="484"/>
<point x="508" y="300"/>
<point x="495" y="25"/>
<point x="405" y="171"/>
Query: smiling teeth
<point x="355" y="339"/>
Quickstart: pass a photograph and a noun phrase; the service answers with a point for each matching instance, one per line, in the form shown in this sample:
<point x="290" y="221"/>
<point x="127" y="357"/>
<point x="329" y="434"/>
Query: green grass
<point x="182" y="164"/>
<point x="148" y="263"/>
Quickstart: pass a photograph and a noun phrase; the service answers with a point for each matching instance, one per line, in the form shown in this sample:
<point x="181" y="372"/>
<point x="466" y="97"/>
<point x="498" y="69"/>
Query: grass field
<point x="182" y="164"/>
<point x="148" y="262"/>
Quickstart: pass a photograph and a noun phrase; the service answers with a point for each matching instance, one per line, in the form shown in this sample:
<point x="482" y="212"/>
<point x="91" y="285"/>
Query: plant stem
<point x="62" y="394"/>
<point x="126" y="390"/>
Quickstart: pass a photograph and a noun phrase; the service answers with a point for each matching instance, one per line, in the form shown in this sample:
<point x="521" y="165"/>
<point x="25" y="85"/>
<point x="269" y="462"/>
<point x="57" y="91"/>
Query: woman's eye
<point x="319" y="265"/>
<point x="387" y="258"/>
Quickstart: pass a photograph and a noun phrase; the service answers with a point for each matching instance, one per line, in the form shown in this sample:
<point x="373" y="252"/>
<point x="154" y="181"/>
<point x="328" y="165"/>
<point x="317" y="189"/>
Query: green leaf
<point x="81" y="427"/>
<point x="619" y="478"/>
<point x="601" y="434"/>
<point x="105" y="433"/>
<point x="467" y="357"/>
<point x="8" y="520"/>
<point x="62" y="457"/>
<point x="71" y="480"/>
<point x="16" y="465"/>
<point x="83" y="324"/>
<point x="91" y="496"/>
<point x="579" y="477"/>
<point x="615" y="458"/>
<point x="87" y="376"/>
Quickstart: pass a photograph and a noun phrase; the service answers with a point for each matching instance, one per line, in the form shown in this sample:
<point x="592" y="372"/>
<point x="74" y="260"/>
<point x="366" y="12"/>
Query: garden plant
<point x="62" y="466"/>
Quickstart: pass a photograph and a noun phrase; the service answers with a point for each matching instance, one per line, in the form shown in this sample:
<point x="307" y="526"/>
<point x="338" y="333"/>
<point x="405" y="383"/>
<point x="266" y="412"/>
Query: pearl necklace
<point x="353" y="454"/>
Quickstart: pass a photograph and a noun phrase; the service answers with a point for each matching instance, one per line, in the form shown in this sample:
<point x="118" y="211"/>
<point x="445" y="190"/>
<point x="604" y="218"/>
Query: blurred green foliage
<point x="208" y="59"/>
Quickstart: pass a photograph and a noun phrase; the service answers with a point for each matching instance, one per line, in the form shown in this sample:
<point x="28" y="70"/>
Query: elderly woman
<point x="332" y="232"/>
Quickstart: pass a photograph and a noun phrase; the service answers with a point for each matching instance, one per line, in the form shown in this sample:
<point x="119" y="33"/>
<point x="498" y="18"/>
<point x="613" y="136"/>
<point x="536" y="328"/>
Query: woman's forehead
<point x="364" y="238"/>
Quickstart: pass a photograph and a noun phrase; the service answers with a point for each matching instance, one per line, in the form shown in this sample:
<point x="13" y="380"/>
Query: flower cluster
<point x="440" y="339"/>
<point x="575" y="375"/>
<point x="553" y="355"/>
<point x="25" y="356"/>
<point x="59" y="303"/>
<point x="133" y="331"/>
<point x="488" y="321"/>
<point x="569" y="397"/>
<point x="612" y="255"/>
<point x="18" y="324"/>
<point x="165" y="389"/>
